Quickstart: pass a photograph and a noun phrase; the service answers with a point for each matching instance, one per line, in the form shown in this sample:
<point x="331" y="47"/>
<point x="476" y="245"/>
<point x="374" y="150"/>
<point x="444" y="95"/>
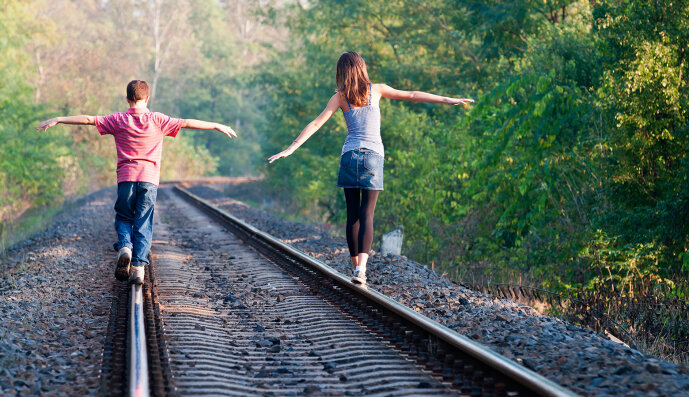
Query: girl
<point x="361" y="164"/>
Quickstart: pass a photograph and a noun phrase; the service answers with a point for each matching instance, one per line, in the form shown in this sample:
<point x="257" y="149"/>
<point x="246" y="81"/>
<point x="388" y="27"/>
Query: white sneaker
<point x="124" y="259"/>
<point x="136" y="275"/>
<point x="359" y="276"/>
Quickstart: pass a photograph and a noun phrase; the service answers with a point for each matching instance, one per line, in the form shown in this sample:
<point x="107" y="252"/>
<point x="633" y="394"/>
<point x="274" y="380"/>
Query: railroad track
<point x="230" y="310"/>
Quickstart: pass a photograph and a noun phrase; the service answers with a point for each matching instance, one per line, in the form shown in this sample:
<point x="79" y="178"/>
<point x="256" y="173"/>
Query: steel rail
<point x="523" y="376"/>
<point x="138" y="361"/>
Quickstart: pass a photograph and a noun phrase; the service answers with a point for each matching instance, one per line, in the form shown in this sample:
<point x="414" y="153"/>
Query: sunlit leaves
<point x="579" y="131"/>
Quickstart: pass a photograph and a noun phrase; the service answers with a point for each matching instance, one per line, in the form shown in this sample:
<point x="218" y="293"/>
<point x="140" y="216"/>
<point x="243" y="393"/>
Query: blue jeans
<point x="134" y="219"/>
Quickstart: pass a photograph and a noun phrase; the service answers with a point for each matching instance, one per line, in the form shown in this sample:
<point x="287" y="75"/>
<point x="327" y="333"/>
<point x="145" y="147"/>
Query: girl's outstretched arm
<point x="310" y="128"/>
<point x="418" y="96"/>
<point x="82" y="120"/>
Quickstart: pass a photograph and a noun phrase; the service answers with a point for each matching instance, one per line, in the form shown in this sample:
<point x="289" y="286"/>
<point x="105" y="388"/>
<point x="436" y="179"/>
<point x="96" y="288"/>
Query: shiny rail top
<point x="138" y="362"/>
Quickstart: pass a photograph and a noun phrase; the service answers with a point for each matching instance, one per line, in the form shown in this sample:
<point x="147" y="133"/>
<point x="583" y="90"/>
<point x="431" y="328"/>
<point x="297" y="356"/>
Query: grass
<point x="653" y="324"/>
<point x="32" y="222"/>
<point x="35" y="220"/>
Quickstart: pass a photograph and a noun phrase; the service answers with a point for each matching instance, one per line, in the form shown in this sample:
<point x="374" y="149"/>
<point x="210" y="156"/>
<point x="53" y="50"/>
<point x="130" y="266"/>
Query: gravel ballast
<point x="577" y="358"/>
<point x="55" y="298"/>
<point x="56" y="293"/>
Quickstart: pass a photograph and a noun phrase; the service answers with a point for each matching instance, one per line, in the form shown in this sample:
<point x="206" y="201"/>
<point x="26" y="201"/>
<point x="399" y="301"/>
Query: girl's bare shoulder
<point x="340" y="100"/>
<point x="378" y="89"/>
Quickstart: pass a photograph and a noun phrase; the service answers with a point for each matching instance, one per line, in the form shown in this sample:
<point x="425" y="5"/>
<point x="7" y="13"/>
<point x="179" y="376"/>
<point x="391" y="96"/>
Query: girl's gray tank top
<point x="363" y="126"/>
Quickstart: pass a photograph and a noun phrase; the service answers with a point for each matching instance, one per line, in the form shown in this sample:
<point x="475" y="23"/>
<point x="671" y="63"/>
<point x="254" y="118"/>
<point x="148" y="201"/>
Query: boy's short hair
<point x="137" y="90"/>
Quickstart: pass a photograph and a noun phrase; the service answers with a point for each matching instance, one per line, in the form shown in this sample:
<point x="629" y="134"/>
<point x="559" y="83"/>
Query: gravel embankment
<point x="56" y="291"/>
<point x="574" y="357"/>
<point x="55" y="298"/>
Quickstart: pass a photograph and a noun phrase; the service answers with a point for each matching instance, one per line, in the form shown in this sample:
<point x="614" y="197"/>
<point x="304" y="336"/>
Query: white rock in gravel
<point x="392" y="242"/>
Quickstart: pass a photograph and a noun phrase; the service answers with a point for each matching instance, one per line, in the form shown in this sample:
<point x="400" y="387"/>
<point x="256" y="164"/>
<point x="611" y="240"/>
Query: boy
<point x="138" y="134"/>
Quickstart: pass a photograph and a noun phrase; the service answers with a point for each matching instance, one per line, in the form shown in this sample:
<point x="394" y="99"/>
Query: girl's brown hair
<point x="352" y="78"/>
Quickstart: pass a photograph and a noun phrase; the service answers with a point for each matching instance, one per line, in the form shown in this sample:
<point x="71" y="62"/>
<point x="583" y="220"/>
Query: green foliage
<point x="183" y="160"/>
<point x="29" y="162"/>
<point x="569" y="172"/>
<point x="39" y="169"/>
<point x="533" y="156"/>
<point x="220" y="88"/>
<point x="644" y="96"/>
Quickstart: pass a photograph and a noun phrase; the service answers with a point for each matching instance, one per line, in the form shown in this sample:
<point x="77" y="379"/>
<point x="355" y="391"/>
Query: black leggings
<point x="361" y="204"/>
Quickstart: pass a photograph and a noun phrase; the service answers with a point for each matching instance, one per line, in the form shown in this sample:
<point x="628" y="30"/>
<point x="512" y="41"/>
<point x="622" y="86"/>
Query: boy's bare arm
<point x="81" y="120"/>
<point x="205" y="125"/>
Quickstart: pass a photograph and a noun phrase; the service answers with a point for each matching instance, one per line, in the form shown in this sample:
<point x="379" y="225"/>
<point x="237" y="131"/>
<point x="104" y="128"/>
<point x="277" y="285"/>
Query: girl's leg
<point x="352" y="198"/>
<point x="365" y="236"/>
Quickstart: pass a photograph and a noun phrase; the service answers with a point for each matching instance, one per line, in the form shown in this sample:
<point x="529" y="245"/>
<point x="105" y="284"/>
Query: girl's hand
<point x="460" y="101"/>
<point x="280" y="155"/>
<point x="47" y="124"/>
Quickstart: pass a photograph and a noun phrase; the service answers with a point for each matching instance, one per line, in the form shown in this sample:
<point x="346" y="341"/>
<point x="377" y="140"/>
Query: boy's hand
<point x="77" y="120"/>
<point x="47" y="124"/>
<point x="226" y="130"/>
<point x="280" y="155"/>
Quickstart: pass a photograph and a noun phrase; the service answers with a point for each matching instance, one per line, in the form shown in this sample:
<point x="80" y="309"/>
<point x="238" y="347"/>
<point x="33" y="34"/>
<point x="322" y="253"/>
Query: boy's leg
<point x="143" y="222"/>
<point x="124" y="217"/>
<point x="124" y="214"/>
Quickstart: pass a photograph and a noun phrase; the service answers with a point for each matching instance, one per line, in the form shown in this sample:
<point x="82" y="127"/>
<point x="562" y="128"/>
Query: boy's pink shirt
<point x="138" y="136"/>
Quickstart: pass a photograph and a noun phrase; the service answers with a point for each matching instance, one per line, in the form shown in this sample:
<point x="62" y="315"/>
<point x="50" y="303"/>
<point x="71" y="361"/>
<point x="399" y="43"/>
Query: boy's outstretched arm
<point x="205" y="125"/>
<point x="81" y="120"/>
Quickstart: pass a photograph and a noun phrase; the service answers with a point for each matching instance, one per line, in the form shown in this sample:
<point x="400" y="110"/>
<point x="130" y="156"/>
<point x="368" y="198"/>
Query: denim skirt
<point x="361" y="169"/>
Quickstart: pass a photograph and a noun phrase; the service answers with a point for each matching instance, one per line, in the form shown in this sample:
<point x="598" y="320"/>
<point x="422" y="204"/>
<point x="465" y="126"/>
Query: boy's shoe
<point x="136" y="275"/>
<point x="359" y="276"/>
<point x="124" y="259"/>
